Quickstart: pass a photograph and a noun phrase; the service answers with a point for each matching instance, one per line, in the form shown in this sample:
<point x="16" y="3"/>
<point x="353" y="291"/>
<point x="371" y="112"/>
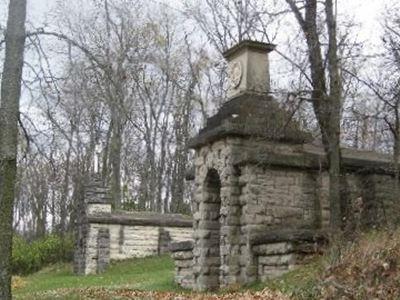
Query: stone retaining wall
<point x="128" y="241"/>
<point x="104" y="235"/>
<point x="280" y="251"/>
<point x="275" y="252"/>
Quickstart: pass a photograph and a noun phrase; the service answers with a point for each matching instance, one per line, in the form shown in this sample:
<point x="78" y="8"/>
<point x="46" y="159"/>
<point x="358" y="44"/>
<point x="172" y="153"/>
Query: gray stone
<point x="182" y="255"/>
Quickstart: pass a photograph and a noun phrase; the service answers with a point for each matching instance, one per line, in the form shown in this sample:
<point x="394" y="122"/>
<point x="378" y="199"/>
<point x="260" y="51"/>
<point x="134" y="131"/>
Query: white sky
<point x="365" y="12"/>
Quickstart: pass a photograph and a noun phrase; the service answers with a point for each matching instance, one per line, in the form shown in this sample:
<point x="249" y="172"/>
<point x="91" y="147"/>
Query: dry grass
<point x="106" y="294"/>
<point x="367" y="268"/>
<point x="17" y="282"/>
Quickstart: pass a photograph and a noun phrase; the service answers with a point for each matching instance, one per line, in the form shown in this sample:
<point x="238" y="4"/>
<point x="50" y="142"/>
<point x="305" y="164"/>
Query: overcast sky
<point x="365" y="12"/>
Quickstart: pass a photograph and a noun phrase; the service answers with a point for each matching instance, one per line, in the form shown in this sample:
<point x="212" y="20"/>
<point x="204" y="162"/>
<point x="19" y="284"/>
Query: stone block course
<point x="106" y="235"/>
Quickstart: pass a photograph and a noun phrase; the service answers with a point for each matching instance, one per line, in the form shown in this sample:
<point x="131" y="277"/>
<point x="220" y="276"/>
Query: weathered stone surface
<point x="277" y="260"/>
<point x="103" y="249"/>
<point x="98" y="208"/>
<point x="182" y="255"/>
<point x="143" y="219"/>
<point x="186" y="264"/>
<point x="283" y="235"/>
<point x="273" y="248"/>
<point x="181" y="246"/>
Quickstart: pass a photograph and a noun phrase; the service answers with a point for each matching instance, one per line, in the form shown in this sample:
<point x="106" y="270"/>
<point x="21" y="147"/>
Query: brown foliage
<point x="366" y="269"/>
<point x="103" y="293"/>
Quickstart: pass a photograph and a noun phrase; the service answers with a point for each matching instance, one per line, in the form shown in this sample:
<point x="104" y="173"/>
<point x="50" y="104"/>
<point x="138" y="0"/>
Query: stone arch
<point x="210" y="207"/>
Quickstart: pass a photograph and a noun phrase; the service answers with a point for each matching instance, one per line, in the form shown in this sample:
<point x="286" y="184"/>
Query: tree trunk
<point x="115" y="159"/>
<point x="9" y="113"/>
<point x="326" y="101"/>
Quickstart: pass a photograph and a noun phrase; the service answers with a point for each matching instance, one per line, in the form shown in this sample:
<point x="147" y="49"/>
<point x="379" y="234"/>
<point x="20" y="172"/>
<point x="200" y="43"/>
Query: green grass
<point x="299" y="284"/>
<point x="152" y="273"/>
<point x="146" y="274"/>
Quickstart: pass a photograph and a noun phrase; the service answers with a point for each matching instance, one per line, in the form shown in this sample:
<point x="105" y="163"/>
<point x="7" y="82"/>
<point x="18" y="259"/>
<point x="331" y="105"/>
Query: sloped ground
<point x="146" y="278"/>
<point x="366" y="268"/>
<point x="104" y="293"/>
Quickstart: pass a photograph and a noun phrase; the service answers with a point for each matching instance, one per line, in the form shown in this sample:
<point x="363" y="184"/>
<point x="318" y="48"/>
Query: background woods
<point x="131" y="81"/>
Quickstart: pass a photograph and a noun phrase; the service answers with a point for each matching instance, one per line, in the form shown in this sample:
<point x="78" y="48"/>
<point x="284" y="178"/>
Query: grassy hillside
<point x="365" y="268"/>
<point x="145" y="278"/>
<point x="155" y="273"/>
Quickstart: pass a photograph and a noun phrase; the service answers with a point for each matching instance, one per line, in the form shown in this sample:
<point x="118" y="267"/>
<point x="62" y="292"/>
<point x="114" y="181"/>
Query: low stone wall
<point x="275" y="251"/>
<point x="117" y="236"/>
<point x="279" y="251"/>
<point x="182" y="253"/>
<point x="103" y="235"/>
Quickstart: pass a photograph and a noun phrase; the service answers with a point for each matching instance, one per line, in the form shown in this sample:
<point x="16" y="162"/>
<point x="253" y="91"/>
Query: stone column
<point x="96" y="201"/>
<point x="230" y="229"/>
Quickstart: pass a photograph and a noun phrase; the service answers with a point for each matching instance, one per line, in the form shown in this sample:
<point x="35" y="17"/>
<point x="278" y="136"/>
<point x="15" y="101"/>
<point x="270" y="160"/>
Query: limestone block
<point x="277" y="260"/>
<point x="251" y="270"/>
<point x="184" y="263"/>
<point x="201" y="234"/>
<point x="98" y="208"/>
<point x="272" y="249"/>
<point x="230" y="269"/>
<point x="182" y="255"/>
<point x="197" y="215"/>
<point x="205" y="224"/>
<point x="178" y="234"/>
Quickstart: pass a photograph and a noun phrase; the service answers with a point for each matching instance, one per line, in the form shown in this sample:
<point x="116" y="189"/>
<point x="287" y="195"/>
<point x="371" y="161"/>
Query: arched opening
<point x="210" y="210"/>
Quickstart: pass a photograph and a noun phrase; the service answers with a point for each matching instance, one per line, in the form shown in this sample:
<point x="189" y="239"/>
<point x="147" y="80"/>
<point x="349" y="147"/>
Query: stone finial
<point x="248" y="67"/>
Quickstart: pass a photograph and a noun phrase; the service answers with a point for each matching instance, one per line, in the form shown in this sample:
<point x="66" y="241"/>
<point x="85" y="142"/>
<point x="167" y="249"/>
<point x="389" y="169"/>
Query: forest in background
<point x="133" y="80"/>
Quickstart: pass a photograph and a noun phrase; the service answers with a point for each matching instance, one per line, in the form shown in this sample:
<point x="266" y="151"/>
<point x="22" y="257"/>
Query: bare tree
<point x="9" y="115"/>
<point x="326" y="92"/>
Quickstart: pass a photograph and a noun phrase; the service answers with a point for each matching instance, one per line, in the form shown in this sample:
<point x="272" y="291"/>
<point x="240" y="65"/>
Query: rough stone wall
<point x="216" y="255"/>
<point x="103" y="235"/>
<point x="274" y="198"/>
<point x="379" y="203"/>
<point x="278" y="252"/>
<point x="248" y="197"/>
<point x="236" y="195"/>
<point x="126" y="242"/>
<point x="370" y="200"/>
<point x="95" y="201"/>
<point x="274" y="260"/>
<point x="278" y="197"/>
<point x="387" y="203"/>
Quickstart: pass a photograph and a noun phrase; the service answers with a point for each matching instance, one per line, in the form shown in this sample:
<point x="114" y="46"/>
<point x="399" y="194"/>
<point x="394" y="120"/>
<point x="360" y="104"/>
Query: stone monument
<point x="261" y="187"/>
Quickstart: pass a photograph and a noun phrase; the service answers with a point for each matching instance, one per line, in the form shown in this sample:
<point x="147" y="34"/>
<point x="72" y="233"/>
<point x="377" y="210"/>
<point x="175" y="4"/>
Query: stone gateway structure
<point x="261" y="186"/>
<point x="260" y="203"/>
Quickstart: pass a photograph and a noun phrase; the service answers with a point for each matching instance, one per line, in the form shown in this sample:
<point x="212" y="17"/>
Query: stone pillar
<point x="97" y="198"/>
<point x="207" y="259"/>
<point x="182" y="253"/>
<point x="216" y="224"/>
<point x="96" y="201"/>
<point x="248" y="195"/>
<point x="230" y="229"/>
